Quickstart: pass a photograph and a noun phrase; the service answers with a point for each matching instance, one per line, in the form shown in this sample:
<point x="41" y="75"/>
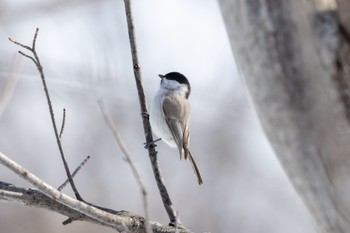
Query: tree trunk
<point x="294" y="57"/>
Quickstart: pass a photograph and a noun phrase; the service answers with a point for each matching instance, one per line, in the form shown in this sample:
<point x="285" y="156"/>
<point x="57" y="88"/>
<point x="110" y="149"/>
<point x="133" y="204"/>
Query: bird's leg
<point x="145" y="115"/>
<point x="152" y="143"/>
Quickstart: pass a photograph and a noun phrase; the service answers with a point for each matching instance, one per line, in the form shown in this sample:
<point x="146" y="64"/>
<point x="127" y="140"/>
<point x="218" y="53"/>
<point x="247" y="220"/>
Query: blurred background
<point x="84" y="48"/>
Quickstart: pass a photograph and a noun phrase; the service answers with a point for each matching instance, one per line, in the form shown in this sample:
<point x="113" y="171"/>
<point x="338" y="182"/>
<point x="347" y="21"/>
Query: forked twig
<point x="145" y="119"/>
<point x="36" y="61"/>
<point x="127" y="158"/>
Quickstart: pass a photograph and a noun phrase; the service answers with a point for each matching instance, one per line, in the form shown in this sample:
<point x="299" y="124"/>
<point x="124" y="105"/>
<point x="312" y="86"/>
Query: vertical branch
<point x="145" y="117"/>
<point x="63" y="123"/>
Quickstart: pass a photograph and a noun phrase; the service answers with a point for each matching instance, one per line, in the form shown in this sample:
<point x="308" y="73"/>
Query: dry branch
<point x="63" y="123"/>
<point x="74" y="173"/>
<point x="49" y="198"/>
<point x="35" y="59"/>
<point x="145" y="119"/>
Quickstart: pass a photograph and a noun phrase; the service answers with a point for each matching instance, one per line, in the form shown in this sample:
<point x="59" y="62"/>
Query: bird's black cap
<point x="176" y="76"/>
<point x="180" y="78"/>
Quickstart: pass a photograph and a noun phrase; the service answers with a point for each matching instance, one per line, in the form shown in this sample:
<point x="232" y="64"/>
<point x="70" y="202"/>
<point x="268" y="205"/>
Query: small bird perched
<point x="170" y="113"/>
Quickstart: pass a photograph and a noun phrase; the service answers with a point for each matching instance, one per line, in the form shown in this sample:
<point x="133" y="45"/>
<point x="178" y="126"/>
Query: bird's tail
<point x="188" y="155"/>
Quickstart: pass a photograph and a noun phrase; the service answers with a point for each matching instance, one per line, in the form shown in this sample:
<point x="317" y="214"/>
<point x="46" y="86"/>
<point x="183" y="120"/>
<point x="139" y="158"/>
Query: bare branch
<point x="51" y="199"/>
<point x="145" y="119"/>
<point x="43" y="80"/>
<point x="9" y="195"/>
<point x="22" y="45"/>
<point x="36" y="198"/>
<point x="26" y="55"/>
<point x="34" y="40"/>
<point x="74" y="173"/>
<point x="63" y="123"/>
<point x="127" y="158"/>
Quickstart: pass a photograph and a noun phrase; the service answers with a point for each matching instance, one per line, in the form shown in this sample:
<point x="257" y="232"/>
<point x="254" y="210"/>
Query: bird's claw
<point x="145" y="114"/>
<point x="152" y="143"/>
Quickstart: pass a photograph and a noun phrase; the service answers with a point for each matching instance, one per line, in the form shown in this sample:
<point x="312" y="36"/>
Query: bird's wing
<point x="186" y="140"/>
<point x="176" y="118"/>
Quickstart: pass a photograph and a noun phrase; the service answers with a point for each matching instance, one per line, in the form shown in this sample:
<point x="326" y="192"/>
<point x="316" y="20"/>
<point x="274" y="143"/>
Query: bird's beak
<point x="161" y="76"/>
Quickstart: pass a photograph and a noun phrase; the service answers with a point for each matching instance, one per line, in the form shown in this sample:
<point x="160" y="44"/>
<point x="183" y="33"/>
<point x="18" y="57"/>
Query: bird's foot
<point x="145" y="114"/>
<point x="176" y="224"/>
<point x="152" y="143"/>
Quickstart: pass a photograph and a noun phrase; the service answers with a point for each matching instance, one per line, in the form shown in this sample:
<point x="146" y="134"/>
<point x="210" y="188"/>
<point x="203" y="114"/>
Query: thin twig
<point x="26" y="55"/>
<point x="37" y="182"/>
<point x="127" y="158"/>
<point x="42" y="76"/>
<point x="145" y="118"/>
<point x="74" y="172"/>
<point x="62" y="126"/>
<point x="22" y="45"/>
<point x="9" y="195"/>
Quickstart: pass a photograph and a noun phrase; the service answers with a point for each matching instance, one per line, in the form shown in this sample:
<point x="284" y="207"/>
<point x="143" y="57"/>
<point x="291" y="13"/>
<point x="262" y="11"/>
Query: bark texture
<point x="36" y="198"/>
<point x="294" y="57"/>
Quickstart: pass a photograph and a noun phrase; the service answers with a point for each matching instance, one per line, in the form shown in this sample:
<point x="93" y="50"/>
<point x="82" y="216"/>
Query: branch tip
<point x="63" y="123"/>
<point x="34" y="39"/>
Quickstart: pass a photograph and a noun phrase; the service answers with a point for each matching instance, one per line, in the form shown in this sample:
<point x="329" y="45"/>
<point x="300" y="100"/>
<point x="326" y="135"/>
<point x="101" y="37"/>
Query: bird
<point x="170" y="113"/>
